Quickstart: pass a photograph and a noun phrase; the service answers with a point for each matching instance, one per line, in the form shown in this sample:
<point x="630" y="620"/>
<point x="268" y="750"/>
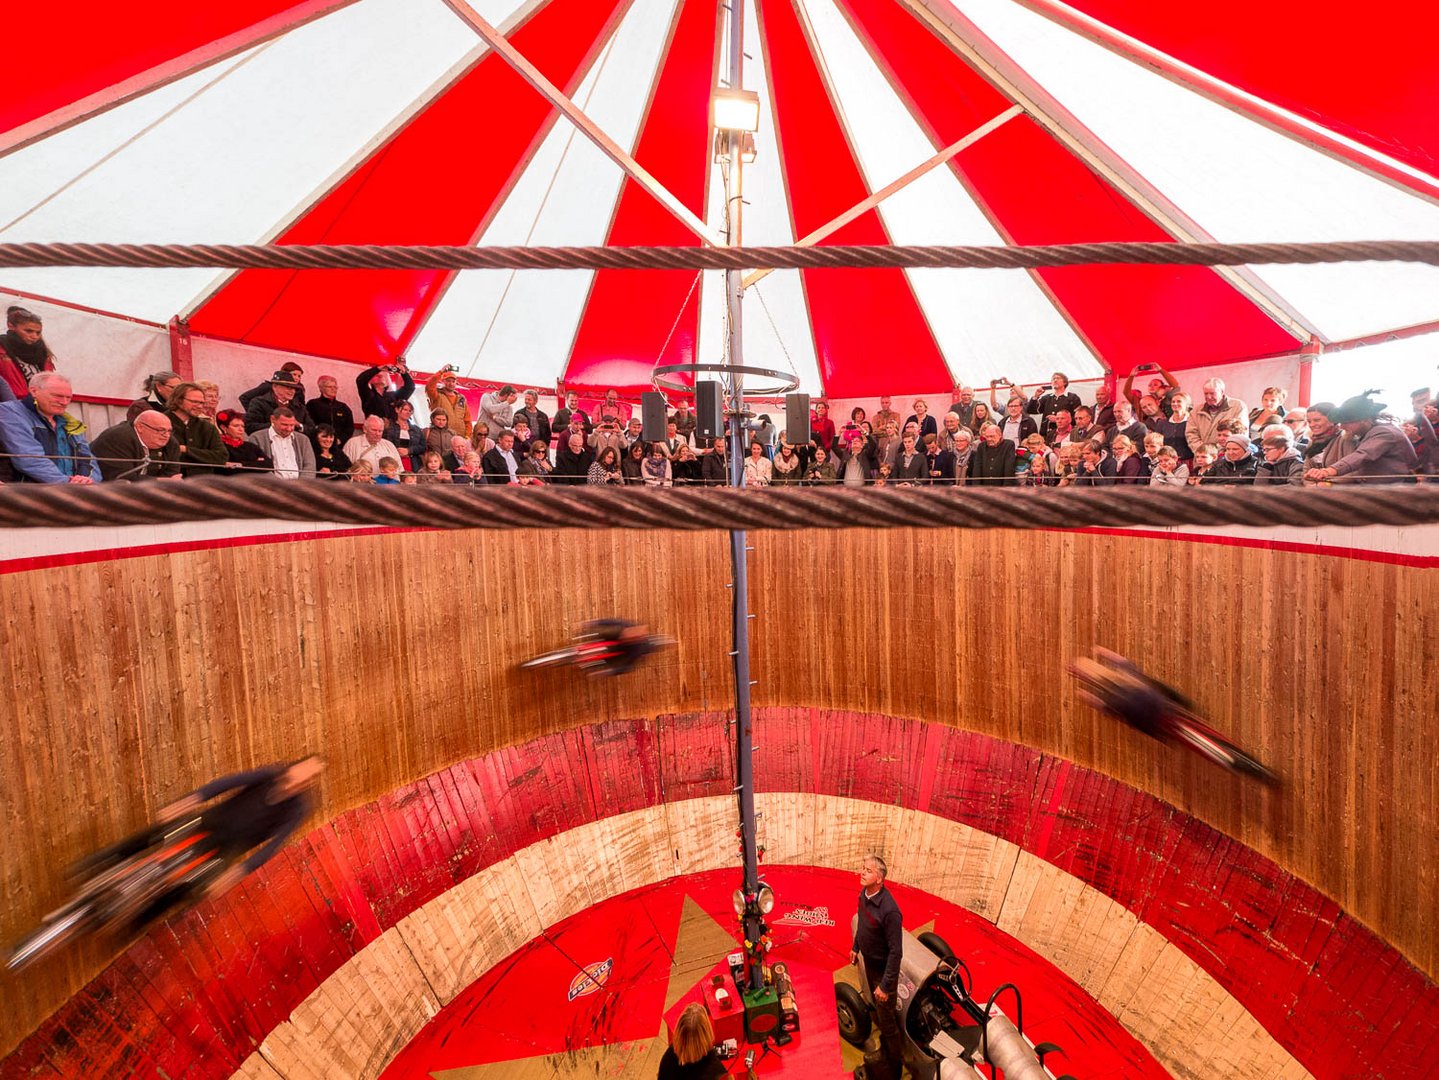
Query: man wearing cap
<point x="441" y="392"/>
<point x="1382" y="453"/>
<point x="565" y="417"/>
<point x="1217" y="408"/>
<point x="284" y="390"/>
<point x="264" y="387"/>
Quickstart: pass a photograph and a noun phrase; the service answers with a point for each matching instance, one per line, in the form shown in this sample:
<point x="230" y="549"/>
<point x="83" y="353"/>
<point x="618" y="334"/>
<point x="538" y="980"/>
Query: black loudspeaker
<point x="709" y="417"/>
<point x="796" y="419"/>
<point x="655" y="418"/>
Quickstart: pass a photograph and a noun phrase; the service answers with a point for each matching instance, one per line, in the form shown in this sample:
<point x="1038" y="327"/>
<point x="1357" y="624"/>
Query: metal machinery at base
<point x="945" y="1030"/>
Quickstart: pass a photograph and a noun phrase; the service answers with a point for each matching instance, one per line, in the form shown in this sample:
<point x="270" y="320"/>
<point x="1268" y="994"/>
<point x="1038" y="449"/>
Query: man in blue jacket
<point x="45" y="445"/>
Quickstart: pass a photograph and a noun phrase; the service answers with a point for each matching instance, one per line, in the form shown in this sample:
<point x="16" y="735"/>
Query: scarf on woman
<point x="230" y="440"/>
<point x="656" y="467"/>
<point x="29" y="357"/>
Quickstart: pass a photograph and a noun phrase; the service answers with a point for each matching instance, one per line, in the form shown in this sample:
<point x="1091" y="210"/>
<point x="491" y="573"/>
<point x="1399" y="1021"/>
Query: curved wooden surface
<point x="337" y="952"/>
<point x="134" y="679"/>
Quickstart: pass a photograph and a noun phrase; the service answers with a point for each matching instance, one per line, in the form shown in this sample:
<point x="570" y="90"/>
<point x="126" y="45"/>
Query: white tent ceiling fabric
<point x="520" y="326"/>
<point x="1238" y="179"/>
<point x="225" y="156"/>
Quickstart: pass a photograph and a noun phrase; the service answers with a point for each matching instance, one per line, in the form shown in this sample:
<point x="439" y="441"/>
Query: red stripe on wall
<point x="177" y="547"/>
<point x="78" y="558"/>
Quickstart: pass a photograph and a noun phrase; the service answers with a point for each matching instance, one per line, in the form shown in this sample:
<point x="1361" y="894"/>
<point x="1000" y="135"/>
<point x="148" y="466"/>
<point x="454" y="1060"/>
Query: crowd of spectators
<point x="1161" y="436"/>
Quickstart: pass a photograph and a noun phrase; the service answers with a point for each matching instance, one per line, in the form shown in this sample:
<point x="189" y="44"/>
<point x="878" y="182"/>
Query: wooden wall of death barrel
<point x="394" y="654"/>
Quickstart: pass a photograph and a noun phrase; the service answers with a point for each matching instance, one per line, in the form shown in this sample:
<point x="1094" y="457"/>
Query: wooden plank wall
<point x="1321" y="664"/>
<point x="133" y="681"/>
<point x="394" y="655"/>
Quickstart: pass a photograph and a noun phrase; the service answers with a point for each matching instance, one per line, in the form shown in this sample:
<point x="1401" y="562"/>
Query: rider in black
<point x="1116" y="685"/>
<point x="267" y="806"/>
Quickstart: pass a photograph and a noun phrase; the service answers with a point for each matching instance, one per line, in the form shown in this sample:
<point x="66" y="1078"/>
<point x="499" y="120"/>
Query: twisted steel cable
<point x="439" y="506"/>
<point x="384" y="257"/>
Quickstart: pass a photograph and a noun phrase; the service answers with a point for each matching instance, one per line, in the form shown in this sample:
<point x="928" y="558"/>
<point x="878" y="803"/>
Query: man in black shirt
<point x="261" y="809"/>
<point x="329" y="409"/>
<point x="378" y="394"/>
<point x="879" y="938"/>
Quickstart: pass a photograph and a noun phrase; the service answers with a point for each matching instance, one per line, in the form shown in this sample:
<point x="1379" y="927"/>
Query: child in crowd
<point x="389" y="471"/>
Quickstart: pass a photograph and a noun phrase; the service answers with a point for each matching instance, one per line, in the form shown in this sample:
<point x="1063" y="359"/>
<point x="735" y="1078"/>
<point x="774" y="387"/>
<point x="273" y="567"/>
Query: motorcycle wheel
<point x="854" y="1019"/>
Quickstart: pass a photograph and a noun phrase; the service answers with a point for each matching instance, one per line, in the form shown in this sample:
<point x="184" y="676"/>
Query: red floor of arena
<point x="650" y="950"/>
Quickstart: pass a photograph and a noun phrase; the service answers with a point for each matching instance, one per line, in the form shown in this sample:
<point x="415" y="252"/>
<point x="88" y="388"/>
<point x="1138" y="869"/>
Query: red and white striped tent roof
<point x="391" y="121"/>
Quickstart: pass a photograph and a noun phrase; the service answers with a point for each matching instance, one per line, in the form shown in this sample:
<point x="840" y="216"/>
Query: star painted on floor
<point x="701" y="944"/>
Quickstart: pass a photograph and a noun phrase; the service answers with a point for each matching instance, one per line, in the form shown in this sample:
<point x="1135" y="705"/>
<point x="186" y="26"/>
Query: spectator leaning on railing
<point x="1280" y="462"/>
<point x="1381" y="452"/>
<point x="47" y="445"/>
<point x="370" y="445"/>
<point x="1345" y="443"/>
<point x="241" y="455"/>
<point x="197" y="439"/>
<point x="288" y="449"/>
<point x="139" y="449"/>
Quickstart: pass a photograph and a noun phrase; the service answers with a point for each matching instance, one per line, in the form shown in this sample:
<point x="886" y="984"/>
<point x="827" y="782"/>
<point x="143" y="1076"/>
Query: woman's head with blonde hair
<point x="694" y="1036"/>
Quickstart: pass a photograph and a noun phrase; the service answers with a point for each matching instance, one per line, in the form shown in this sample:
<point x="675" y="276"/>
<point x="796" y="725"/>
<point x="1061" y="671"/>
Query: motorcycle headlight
<point x="738" y="900"/>
<point x="766" y="899"/>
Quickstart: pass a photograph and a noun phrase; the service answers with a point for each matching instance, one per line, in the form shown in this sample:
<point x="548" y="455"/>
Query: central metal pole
<point x="744" y="728"/>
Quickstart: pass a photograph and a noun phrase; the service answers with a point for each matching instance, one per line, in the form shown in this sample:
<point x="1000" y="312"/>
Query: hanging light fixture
<point x="735" y="110"/>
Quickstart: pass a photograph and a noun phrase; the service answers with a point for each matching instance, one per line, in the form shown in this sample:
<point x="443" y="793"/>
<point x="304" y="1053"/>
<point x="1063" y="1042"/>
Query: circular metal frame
<point x="787" y="381"/>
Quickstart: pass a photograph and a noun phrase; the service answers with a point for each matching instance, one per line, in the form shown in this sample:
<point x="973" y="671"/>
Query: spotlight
<point x="735" y="110"/>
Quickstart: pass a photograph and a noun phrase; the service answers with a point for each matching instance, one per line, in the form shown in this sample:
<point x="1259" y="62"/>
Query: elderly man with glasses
<point x="44" y="444"/>
<point x="142" y="449"/>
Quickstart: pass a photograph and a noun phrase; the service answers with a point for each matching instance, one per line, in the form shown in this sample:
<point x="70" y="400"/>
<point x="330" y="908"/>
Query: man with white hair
<point x="48" y="447"/>
<point x="1217" y="409"/>
<point x="370" y="445"/>
<point x="144" y="449"/>
<point x="963" y="405"/>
